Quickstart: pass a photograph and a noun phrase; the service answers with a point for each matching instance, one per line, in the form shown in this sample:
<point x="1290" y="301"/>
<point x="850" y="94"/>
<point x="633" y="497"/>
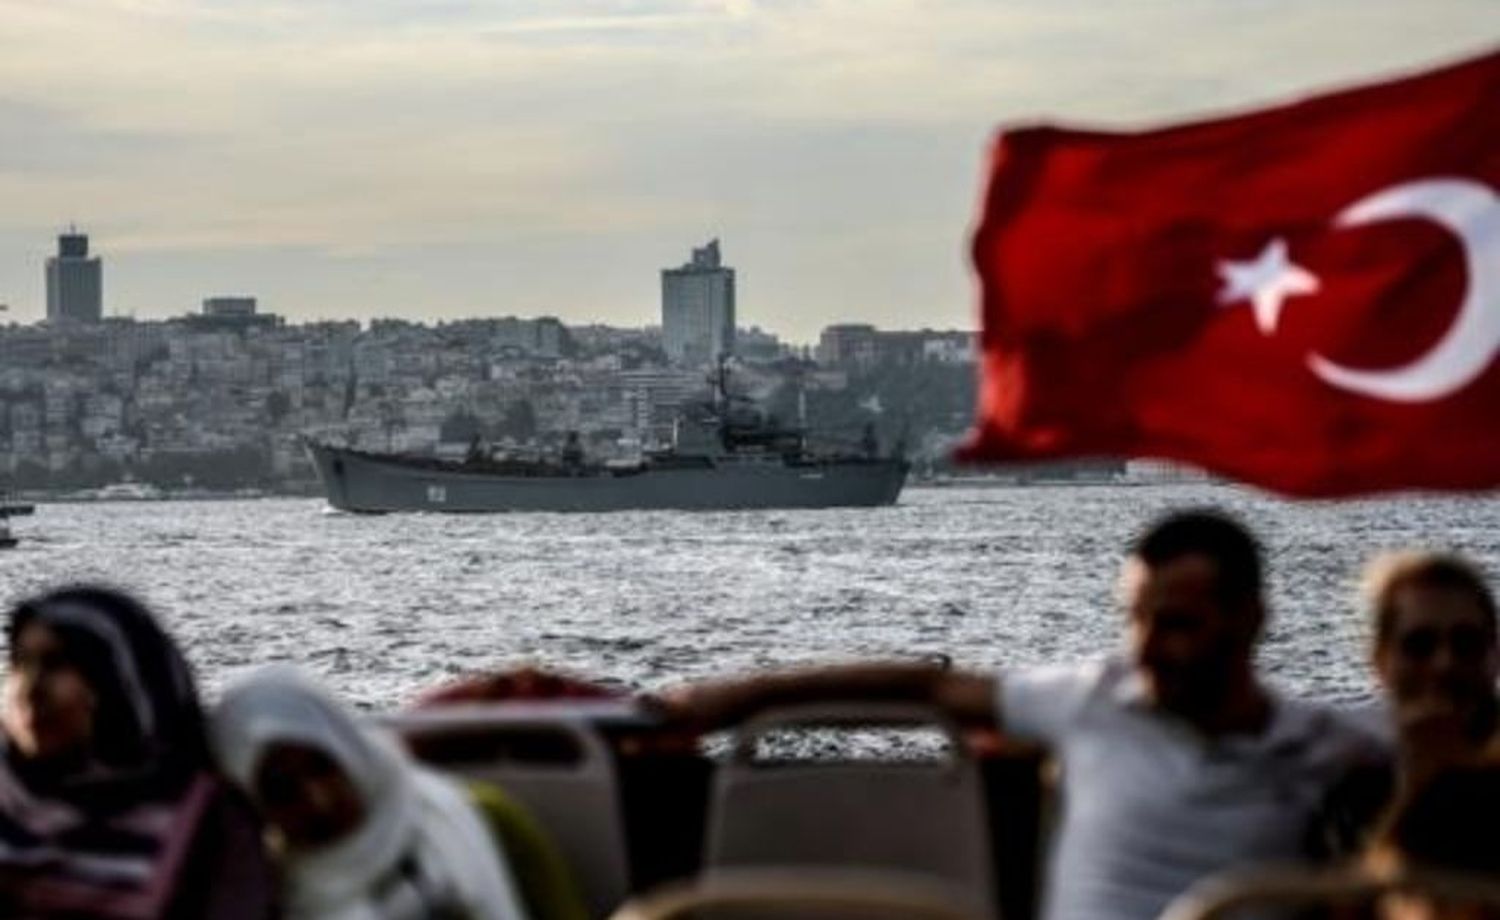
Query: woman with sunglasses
<point x="109" y="807"/>
<point x="361" y="831"/>
<point x="1437" y="657"/>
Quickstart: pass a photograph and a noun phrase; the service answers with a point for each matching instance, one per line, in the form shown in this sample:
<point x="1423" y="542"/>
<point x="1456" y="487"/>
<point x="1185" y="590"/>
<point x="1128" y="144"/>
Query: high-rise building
<point x="74" y="286"/>
<point x="697" y="309"/>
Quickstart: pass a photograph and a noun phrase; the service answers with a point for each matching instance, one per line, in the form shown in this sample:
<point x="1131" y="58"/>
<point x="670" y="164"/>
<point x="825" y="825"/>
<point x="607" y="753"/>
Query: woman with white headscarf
<point x="363" y="833"/>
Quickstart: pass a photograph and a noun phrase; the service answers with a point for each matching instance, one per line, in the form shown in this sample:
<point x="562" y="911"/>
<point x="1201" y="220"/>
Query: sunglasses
<point x="1465" y="643"/>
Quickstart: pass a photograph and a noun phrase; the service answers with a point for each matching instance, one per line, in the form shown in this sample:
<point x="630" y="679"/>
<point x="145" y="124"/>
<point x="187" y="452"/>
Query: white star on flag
<point x="1266" y="281"/>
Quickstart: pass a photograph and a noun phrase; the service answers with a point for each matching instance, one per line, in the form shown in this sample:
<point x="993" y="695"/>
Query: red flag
<point x="1306" y="297"/>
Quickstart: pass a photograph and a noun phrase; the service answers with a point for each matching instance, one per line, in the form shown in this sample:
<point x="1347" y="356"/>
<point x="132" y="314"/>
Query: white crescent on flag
<point x="1470" y="211"/>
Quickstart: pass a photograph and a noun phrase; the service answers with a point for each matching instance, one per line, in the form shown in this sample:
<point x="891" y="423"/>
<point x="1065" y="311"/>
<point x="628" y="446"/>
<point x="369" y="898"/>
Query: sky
<point x="438" y="159"/>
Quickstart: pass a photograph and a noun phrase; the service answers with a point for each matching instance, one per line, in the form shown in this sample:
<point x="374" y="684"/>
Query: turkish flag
<point x="1306" y="297"/>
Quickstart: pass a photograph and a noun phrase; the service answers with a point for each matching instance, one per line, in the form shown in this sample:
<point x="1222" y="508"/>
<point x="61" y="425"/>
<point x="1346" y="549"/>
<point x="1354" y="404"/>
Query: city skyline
<point x="682" y="320"/>
<point x="440" y="161"/>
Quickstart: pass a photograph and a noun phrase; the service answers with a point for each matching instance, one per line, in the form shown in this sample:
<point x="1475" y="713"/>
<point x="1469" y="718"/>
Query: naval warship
<point x="728" y="457"/>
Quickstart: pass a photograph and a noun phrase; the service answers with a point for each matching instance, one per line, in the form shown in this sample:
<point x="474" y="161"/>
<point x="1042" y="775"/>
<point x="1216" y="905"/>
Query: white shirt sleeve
<point x="1042" y="703"/>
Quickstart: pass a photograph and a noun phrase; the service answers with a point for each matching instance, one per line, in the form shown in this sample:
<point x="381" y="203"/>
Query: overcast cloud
<point x="359" y="158"/>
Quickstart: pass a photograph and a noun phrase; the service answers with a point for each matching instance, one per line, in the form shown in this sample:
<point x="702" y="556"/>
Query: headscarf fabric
<point x="107" y="836"/>
<point x="420" y="851"/>
<point x="151" y="728"/>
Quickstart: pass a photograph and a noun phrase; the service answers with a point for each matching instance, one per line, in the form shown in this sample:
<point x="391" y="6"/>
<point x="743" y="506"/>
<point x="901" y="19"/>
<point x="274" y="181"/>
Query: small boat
<point x="127" y="492"/>
<point x="9" y="507"/>
<point x="8" y="540"/>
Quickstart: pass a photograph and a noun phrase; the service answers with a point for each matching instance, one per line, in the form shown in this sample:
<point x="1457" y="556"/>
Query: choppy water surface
<point x="382" y="606"/>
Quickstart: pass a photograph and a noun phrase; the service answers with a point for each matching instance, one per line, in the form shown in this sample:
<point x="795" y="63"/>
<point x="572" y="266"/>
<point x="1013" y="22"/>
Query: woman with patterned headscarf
<point x="363" y="833"/>
<point x="109" y="807"/>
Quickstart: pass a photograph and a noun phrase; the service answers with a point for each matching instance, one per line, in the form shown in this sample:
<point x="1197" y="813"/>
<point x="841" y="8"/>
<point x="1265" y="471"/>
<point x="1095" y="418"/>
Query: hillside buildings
<point x="862" y="347"/>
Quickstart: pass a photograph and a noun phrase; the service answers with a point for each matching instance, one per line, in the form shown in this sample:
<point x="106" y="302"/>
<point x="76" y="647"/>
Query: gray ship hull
<point x="358" y="481"/>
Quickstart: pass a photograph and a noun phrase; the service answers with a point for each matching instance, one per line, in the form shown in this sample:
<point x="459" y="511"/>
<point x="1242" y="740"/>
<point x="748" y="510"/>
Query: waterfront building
<point x="74" y="282"/>
<point x="697" y="309"/>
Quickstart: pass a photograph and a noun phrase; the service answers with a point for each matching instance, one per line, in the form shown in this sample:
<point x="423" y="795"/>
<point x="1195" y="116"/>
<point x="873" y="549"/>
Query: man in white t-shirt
<point x="1177" y="762"/>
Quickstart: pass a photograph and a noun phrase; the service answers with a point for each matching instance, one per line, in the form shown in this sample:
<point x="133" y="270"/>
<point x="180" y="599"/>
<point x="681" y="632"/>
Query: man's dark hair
<point x="1388" y="575"/>
<point x="1212" y="534"/>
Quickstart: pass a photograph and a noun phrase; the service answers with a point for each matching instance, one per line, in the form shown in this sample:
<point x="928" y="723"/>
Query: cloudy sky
<point x="439" y="159"/>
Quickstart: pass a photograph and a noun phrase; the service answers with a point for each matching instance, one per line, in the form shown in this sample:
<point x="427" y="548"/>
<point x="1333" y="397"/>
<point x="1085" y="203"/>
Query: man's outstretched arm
<point x="969" y="698"/>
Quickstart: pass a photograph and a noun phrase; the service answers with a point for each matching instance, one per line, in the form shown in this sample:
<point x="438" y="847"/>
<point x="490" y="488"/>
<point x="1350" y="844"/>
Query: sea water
<point x="383" y="606"/>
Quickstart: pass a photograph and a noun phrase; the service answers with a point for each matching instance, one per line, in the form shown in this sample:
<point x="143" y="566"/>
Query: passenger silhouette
<point x="1178" y="761"/>
<point x="360" y="830"/>
<point x="1437" y="655"/>
<point x="108" y="804"/>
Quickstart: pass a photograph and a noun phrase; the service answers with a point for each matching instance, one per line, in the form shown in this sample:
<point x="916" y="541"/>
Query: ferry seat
<point x="554" y="763"/>
<point x="803" y="893"/>
<point x="924" y="816"/>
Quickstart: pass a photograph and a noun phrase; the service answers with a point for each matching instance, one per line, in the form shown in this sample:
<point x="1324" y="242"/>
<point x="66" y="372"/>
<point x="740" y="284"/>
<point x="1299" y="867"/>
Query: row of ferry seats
<point x="634" y="815"/>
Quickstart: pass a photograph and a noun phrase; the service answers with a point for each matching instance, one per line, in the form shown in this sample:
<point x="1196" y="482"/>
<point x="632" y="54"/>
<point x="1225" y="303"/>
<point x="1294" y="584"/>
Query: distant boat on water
<point x="8" y="508"/>
<point x="127" y="492"/>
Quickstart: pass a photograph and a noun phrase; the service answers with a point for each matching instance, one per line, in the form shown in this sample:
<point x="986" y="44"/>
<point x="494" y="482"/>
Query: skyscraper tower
<point x="74" y="286"/>
<point x="697" y="308"/>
